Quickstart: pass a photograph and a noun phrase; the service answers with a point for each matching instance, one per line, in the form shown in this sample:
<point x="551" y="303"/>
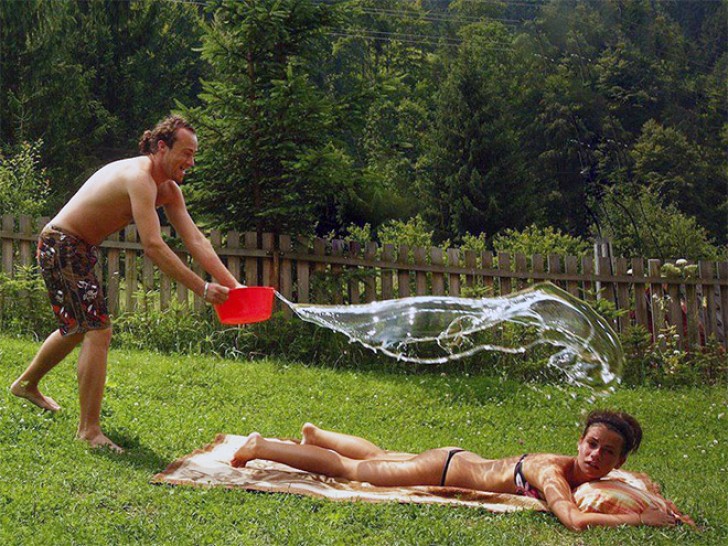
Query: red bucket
<point x="246" y="305"/>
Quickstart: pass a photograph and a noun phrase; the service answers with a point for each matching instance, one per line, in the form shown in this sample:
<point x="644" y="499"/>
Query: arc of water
<point x="591" y="352"/>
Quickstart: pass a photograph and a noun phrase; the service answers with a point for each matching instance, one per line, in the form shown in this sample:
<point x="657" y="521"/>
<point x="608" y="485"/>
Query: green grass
<point x="54" y="490"/>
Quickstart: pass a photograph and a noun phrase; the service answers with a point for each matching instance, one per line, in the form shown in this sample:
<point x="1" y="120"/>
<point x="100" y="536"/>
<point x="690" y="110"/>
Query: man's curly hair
<point x="165" y="130"/>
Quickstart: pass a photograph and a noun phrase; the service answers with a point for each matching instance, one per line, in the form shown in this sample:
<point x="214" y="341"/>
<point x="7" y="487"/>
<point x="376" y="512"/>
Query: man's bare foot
<point x="247" y="451"/>
<point x="308" y="434"/>
<point x="98" y="439"/>
<point x="23" y="389"/>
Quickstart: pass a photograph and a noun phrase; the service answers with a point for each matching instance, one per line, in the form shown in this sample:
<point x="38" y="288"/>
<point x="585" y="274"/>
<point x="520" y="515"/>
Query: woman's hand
<point x="657" y="518"/>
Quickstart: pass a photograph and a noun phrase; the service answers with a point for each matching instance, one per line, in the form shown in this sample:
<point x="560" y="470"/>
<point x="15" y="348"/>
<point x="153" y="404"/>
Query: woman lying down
<point x="607" y="439"/>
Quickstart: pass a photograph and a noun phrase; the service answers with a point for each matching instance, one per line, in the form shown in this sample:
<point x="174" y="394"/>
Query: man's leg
<point x="54" y="349"/>
<point x="91" y="381"/>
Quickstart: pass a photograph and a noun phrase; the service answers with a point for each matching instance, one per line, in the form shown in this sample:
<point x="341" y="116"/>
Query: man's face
<point x="181" y="156"/>
<point x="600" y="451"/>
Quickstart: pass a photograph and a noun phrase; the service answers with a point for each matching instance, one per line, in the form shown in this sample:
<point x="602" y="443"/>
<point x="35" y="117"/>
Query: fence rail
<point x="335" y="271"/>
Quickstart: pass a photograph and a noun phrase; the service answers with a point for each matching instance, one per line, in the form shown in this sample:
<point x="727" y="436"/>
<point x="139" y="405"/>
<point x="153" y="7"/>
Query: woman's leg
<point x="424" y="469"/>
<point x="349" y="446"/>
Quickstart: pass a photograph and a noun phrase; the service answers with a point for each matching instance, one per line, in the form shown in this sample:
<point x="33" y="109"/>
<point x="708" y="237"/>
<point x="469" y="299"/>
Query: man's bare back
<point x="102" y="206"/>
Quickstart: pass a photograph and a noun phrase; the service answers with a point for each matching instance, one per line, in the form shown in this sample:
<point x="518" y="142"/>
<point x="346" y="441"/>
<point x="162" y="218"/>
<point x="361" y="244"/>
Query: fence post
<point x="504" y="265"/>
<point x="112" y="274"/>
<point x="8" y="250"/>
<point x="438" y="279"/>
<point x="602" y="249"/>
<point x="723" y="276"/>
<point x="286" y="273"/>
<point x="302" y="272"/>
<point x="486" y="260"/>
<point x="420" y="276"/>
<point x="232" y="243"/>
<point x="640" y="292"/>
<point x="470" y="264"/>
<point x="656" y="301"/>
<point x="26" y="229"/>
<point x="707" y="270"/>
<point x="553" y="262"/>
<point x="622" y="294"/>
<point x="370" y="278"/>
<point x="165" y="282"/>
<point x="354" y="290"/>
<point x="387" y="281"/>
<point x="130" y="257"/>
<point x="319" y="249"/>
<point x="453" y="260"/>
<point x="403" y="275"/>
<point x="270" y="262"/>
<point x="572" y="268"/>
<point x="521" y="267"/>
<point x="337" y="250"/>
<point x="251" y="263"/>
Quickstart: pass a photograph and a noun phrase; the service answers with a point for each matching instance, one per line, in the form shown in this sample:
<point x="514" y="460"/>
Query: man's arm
<point x="142" y="196"/>
<point x="195" y="241"/>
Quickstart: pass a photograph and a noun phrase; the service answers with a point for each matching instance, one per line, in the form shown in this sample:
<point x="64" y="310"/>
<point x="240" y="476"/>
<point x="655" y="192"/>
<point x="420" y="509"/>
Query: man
<point x="119" y="193"/>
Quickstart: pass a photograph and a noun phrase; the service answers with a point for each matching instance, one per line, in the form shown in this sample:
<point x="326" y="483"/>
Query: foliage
<point x="682" y="173"/>
<point x="640" y="223"/>
<point x="24" y="307"/>
<point x="88" y="77"/>
<point x="313" y="116"/>
<point x="666" y="364"/>
<point x="268" y="162"/>
<point x="24" y="185"/>
<point x="412" y="233"/>
<point x="536" y="240"/>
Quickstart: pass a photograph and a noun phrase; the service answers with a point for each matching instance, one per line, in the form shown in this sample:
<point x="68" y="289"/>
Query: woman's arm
<point x="561" y="502"/>
<point x="576" y="520"/>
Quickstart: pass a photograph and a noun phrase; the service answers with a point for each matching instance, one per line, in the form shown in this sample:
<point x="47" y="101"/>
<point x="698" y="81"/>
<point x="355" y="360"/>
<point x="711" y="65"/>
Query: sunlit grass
<point x="53" y="490"/>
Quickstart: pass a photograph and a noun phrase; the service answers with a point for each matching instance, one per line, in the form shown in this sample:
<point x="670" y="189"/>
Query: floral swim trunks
<point x="67" y="265"/>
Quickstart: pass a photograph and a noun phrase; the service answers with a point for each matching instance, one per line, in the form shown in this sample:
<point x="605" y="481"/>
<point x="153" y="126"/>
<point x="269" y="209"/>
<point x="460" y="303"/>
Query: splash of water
<point x="436" y="329"/>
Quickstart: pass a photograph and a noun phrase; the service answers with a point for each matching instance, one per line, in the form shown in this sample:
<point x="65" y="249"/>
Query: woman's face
<point x="600" y="451"/>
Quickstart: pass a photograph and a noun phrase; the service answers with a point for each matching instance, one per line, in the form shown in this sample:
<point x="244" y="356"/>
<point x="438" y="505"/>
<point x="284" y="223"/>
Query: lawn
<point x="54" y="490"/>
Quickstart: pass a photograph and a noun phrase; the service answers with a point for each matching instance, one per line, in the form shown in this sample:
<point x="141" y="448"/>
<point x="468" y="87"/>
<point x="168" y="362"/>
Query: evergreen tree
<point x="267" y="161"/>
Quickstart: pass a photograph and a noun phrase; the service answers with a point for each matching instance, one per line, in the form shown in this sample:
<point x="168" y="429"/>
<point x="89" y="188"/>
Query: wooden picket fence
<point x="335" y="271"/>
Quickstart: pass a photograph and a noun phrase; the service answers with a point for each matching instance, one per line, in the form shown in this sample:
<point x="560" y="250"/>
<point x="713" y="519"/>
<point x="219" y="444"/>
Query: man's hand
<point x="216" y="293"/>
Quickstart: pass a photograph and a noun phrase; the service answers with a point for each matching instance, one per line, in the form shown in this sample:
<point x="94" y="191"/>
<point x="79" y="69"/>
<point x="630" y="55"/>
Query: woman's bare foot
<point x="23" y="389"/>
<point x="308" y="434"/>
<point x="247" y="451"/>
<point x="98" y="439"/>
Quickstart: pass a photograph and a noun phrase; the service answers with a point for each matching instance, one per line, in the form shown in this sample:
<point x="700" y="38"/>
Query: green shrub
<point x="24" y="306"/>
<point x="665" y="364"/>
<point x="639" y="223"/>
<point x="414" y="232"/>
<point x="24" y="187"/>
<point x="544" y="241"/>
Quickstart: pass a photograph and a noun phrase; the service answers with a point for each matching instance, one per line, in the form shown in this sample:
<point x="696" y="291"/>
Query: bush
<point x="639" y="223"/>
<point x="665" y="364"/>
<point x="24" y="187"/>
<point x="544" y="241"/>
<point x="24" y="306"/>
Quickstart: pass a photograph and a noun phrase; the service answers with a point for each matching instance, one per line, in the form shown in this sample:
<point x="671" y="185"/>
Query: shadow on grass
<point x="136" y="455"/>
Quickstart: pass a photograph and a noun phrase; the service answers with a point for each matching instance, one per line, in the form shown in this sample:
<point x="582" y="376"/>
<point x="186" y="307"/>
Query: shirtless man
<point x="119" y="193"/>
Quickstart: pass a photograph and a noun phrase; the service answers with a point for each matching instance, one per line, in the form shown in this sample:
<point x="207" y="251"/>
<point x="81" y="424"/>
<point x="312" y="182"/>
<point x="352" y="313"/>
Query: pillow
<point x="616" y="497"/>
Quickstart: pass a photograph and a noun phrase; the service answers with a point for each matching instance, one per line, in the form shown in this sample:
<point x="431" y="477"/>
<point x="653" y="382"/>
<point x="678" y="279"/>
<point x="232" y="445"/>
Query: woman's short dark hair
<point x="620" y="422"/>
<point x="165" y="130"/>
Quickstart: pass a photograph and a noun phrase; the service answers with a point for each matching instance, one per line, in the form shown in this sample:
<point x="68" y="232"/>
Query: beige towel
<point x="210" y="466"/>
